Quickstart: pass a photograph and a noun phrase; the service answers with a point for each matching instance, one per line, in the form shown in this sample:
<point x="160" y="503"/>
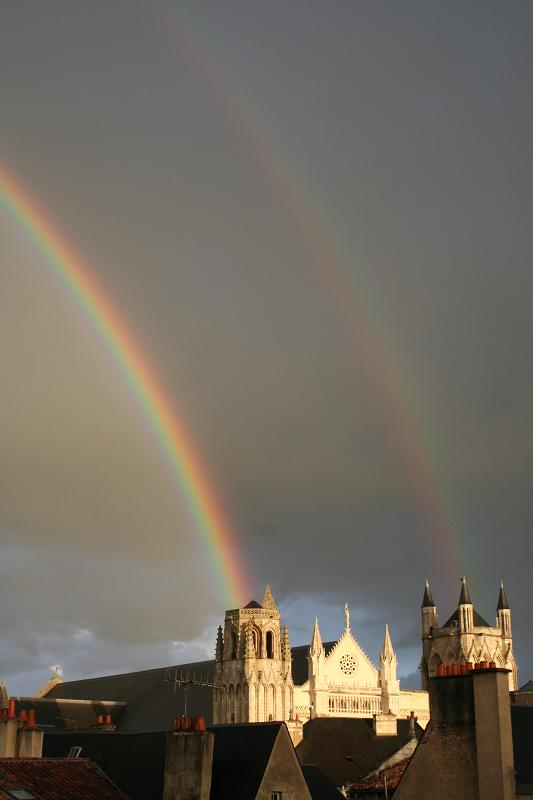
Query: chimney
<point x="494" y="736"/>
<point x="188" y="761"/>
<point x="30" y="739"/>
<point x="8" y="731"/>
<point x="473" y="706"/>
<point x="385" y="725"/>
<point x="20" y="737"/>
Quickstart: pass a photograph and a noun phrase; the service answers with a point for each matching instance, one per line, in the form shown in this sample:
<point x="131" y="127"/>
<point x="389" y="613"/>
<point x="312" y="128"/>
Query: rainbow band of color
<point x="185" y="463"/>
<point x="401" y="406"/>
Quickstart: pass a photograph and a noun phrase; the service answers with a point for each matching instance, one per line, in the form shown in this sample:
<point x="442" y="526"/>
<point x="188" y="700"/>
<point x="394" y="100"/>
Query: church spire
<point x="464" y="598"/>
<point x="427" y="600"/>
<point x="502" y="599"/>
<point x="268" y="600"/>
<point x="316" y="641"/>
<point x="387" y="653"/>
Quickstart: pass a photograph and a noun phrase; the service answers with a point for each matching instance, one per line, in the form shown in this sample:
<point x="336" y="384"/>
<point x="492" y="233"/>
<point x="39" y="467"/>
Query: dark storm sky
<point x="246" y="180"/>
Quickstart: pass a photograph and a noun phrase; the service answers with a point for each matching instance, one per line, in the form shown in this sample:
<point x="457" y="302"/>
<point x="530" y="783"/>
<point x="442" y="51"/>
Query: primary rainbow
<point x="211" y="522"/>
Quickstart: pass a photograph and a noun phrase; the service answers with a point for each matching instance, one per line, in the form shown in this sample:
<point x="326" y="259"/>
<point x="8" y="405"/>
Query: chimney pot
<point x="462" y="669"/>
<point x="477" y="665"/>
<point x="31" y="719"/>
<point x="492" y="665"/>
<point x="483" y="664"/>
<point x="108" y="719"/>
<point x="441" y="670"/>
<point x="100" y="720"/>
<point x="12" y="711"/>
<point x="199" y="724"/>
<point x="23" y="716"/>
<point x="469" y="666"/>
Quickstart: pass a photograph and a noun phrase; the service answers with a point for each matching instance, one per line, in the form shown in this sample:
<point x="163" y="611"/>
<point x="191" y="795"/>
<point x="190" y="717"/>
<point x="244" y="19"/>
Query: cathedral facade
<point x="258" y="676"/>
<point x="465" y="637"/>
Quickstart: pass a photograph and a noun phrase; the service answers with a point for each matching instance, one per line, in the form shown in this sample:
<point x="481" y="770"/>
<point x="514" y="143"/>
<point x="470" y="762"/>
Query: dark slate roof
<point x="527" y="687"/>
<point x="240" y="758"/>
<point x="56" y="779"/>
<point x="320" y="787"/>
<point x="348" y="749"/>
<point x="522" y="722"/>
<point x="502" y="599"/>
<point x="479" y="622"/>
<point x="133" y="761"/>
<point x="253" y="604"/>
<point x="427" y="600"/>
<point x="59" y="713"/>
<point x="151" y="701"/>
<point x="465" y="594"/>
<point x="300" y="669"/>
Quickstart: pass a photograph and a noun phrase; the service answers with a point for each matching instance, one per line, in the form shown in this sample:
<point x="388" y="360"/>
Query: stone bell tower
<point x="253" y="665"/>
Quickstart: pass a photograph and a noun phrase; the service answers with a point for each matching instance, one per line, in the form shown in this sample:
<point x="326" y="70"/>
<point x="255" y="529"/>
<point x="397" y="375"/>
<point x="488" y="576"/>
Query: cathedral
<point x="258" y="676"/>
<point x="465" y="637"/>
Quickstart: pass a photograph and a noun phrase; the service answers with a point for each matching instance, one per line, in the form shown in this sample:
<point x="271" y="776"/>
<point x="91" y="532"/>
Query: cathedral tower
<point x="253" y="665"/>
<point x="465" y="637"/>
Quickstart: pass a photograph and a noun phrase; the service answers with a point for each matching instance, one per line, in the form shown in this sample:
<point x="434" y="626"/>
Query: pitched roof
<point x="320" y="787"/>
<point x="152" y="700"/>
<point x="240" y="757"/>
<point x="527" y="687"/>
<point x="253" y="604"/>
<point x="56" y="779"/>
<point x="479" y="622"/>
<point x="375" y="782"/>
<point x="348" y="749"/>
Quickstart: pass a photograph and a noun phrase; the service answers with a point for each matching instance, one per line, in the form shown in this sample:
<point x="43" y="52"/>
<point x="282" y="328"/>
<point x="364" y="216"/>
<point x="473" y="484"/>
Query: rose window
<point x="348" y="664"/>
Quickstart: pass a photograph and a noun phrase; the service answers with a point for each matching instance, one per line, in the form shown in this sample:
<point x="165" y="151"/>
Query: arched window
<point x="233" y="644"/>
<point x="269" y="645"/>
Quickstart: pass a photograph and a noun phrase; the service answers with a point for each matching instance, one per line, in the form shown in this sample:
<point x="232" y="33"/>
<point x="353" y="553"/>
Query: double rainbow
<point x="190" y="474"/>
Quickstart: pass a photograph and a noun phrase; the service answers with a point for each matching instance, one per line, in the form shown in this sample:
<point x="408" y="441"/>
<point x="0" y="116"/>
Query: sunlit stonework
<point x="259" y="678"/>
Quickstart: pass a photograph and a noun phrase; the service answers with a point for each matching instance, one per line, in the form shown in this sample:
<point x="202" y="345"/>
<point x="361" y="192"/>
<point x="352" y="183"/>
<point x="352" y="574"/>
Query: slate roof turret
<point x="427" y="600"/>
<point x="502" y="598"/>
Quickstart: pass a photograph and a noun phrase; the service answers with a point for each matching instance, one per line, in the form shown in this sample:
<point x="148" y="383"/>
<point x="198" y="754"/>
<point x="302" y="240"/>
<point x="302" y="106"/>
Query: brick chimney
<point x="19" y="736"/>
<point x="188" y="761"/>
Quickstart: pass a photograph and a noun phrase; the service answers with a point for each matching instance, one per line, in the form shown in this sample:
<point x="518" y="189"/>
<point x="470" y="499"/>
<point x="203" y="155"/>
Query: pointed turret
<point x="219" y="651"/>
<point x="316" y="641"/>
<point x="503" y="614"/>
<point x="502" y="599"/>
<point x="387" y="676"/>
<point x="387" y="652"/>
<point x="464" y="598"/>
<point x="268" y="600"/>
<point x="466" y="608"/>
<point x="427" y="600"/>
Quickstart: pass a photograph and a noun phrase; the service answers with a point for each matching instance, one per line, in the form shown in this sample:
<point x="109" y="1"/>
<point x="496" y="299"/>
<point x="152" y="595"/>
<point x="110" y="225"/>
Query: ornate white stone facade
<point x="255" y="682"/>
<point x="466" y="637"/>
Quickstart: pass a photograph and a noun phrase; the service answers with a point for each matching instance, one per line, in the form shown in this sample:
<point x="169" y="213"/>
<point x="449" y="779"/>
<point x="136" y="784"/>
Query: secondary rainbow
<point x="190" y="474"/>
<point x="415" y="442"/>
